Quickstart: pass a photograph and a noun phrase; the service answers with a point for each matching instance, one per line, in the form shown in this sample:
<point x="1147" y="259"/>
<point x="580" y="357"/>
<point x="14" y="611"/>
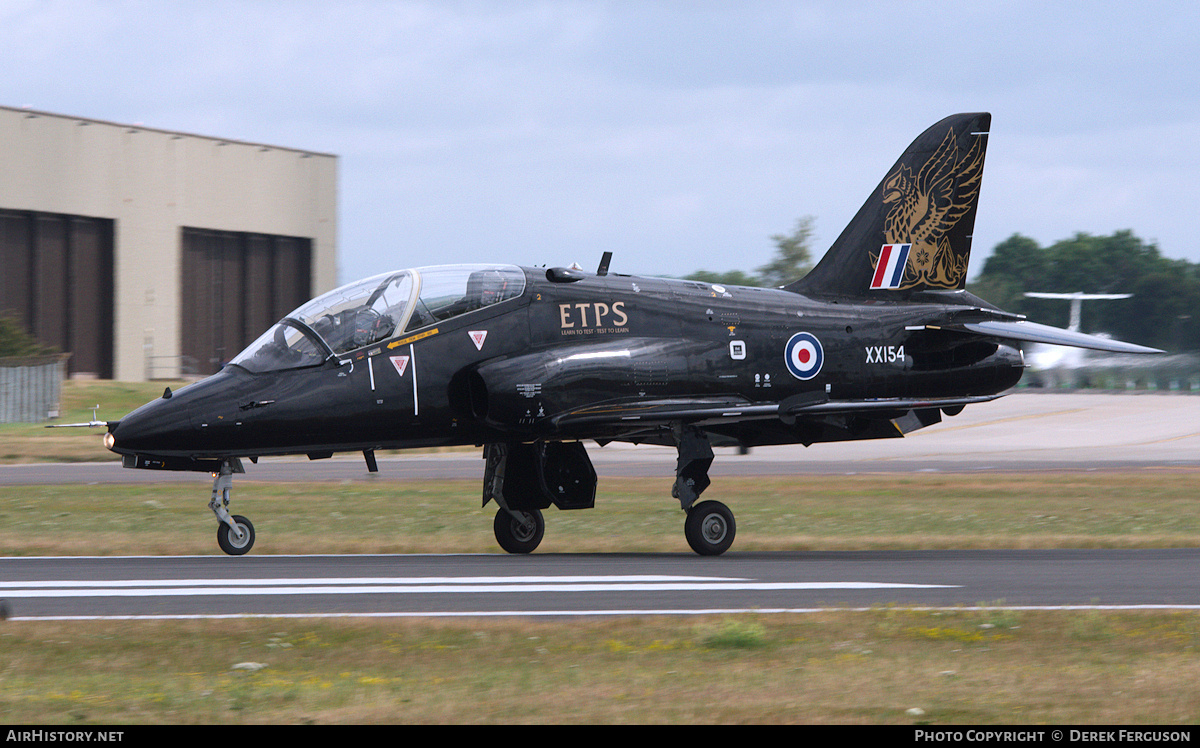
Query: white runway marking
<point x="414" y="585"/>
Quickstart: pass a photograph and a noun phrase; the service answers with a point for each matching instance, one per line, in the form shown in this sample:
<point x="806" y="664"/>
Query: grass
<point x="1139" y="509"/>
<point x="885" y="666"/>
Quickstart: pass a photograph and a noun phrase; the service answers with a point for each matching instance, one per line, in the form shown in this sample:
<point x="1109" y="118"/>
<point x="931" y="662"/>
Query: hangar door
<point x="57" y="282"/>
<point x="234" y="286"/>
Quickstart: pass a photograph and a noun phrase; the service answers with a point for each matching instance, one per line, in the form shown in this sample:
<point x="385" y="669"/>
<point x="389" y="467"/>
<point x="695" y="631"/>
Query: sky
<point x="678" y="135"/>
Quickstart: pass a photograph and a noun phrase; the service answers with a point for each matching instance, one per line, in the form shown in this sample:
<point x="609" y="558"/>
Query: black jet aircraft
<point x="880" y="339"/>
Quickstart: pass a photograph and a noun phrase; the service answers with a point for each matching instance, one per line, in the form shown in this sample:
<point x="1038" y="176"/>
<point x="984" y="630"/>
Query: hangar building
<point x="152" y="254"/>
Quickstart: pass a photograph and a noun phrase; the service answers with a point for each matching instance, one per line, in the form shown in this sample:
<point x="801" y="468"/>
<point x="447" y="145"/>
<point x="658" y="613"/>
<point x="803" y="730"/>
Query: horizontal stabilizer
<point x="1033" y="332"/>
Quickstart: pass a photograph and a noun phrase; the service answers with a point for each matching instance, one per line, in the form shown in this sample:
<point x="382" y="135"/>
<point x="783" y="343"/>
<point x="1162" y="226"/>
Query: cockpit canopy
<point x="376" y="309"/>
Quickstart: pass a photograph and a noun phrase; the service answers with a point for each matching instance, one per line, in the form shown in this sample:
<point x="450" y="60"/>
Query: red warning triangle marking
<point x="477" y="337"/>
<point x="400" y="362"/>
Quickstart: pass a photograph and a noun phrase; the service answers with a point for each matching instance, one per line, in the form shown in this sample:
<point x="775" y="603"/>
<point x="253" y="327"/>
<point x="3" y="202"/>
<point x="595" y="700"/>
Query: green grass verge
<point x="1139" y="509"/>
<point x="885" y="666"/>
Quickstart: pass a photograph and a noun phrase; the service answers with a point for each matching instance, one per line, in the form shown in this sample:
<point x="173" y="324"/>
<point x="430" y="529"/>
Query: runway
<point x="1026" y="431"/>
<point x="592" y="585"/>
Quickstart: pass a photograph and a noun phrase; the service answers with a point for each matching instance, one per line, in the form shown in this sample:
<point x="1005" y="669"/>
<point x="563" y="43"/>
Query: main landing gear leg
<point x="235" y="534"/>
<point x="516" y="530"/>
<point x="709" y="527"/>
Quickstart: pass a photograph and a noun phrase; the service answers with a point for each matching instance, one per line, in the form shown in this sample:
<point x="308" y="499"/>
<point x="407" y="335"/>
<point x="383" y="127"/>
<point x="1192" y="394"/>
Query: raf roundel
<point x="804" y="355"/>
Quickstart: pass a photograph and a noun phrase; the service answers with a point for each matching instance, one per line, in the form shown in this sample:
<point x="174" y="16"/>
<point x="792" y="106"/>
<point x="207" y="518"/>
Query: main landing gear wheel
<point x="519" y="536"/>
<point x="229" y="542"/>
<point x="709" y="528"/>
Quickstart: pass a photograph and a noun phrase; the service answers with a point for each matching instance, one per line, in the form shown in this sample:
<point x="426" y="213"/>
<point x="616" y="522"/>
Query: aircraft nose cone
<point x="158" y="427"/>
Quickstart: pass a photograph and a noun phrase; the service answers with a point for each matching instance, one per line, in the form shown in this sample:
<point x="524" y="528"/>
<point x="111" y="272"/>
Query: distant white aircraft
<point x="1043" y="357"/>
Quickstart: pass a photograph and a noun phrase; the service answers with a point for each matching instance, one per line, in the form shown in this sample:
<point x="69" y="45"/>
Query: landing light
<point x="110" y="440"/>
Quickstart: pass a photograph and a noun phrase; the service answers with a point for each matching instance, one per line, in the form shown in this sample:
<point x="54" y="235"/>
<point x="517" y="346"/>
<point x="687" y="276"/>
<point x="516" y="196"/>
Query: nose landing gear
<point x="235" y="533"/>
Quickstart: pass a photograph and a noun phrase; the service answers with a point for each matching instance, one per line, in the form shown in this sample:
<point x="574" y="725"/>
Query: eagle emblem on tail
<point x="924" y="208"/>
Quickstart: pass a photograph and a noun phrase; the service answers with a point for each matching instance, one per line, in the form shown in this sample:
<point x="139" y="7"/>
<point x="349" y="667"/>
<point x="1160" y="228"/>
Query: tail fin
<point x="914" y="232"/>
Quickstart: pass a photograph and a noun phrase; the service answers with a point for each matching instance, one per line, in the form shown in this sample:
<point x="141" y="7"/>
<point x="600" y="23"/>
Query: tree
<point x="729" y="278"/>
<point x="1015" y="266"/>
<point x="1164" y="291"/>
<point x="14" y="341"/>
<point x="792" y="261"/>
<point x="793" y="258"/>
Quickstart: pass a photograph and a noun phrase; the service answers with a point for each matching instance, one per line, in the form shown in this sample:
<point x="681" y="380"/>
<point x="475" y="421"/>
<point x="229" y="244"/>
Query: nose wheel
<point x="230" y="542"/>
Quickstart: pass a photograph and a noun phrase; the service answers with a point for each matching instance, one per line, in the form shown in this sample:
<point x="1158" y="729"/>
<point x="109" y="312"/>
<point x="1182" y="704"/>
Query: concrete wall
<point x="153" y="183"/>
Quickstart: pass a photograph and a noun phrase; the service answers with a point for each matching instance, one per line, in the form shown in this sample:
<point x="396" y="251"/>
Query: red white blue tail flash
<point x="889" y="271"/>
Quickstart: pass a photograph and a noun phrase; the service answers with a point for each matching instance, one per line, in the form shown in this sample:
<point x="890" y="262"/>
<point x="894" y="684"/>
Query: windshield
<point x="361" y="313"/>
<point x="376" y="309"/>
